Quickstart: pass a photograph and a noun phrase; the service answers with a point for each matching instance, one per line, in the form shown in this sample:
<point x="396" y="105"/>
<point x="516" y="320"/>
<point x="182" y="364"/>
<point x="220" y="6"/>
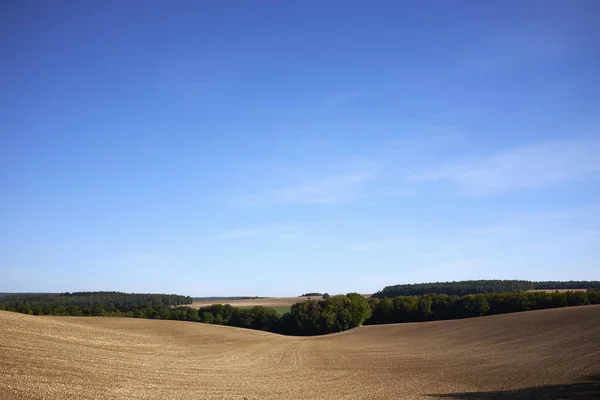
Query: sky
<point x="273" y="148"/>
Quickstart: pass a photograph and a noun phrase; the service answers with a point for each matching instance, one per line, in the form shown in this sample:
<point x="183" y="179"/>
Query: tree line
<point x="305" y="318"/>
<point x="432" y="307"/>
<point x="316" y="294"/>
<point x="335" y="314"/>
<point x="89" y="303"/>
<point x="462" y="288"/>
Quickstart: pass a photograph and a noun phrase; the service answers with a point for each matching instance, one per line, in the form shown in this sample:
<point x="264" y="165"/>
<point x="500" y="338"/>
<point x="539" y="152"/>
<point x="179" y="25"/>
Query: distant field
<point x="273" y="302"/>
<point x="267" y="302"/>
<point x="545" y="354"/>
<point x="280" y="309"/>
<point x="557" y="290"/>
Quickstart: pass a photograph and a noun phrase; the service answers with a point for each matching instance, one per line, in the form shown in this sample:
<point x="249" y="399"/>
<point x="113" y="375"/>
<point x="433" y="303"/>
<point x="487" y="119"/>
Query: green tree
<point x="58" y="310"/>
<point x="473" y="306"/>
<point x="405" y="309"/>
<point x="151" y="313"/>
<point x="593" y="296"/>
<point x="577" y="298"/>
<point x="98" y="310"/>
<point x="164" y="313"/>
<point x="559" y="299"/>
<point x="359" y="309"/>
<point x="242" y="318"/>
<point x="207" y="318"/>
<point x="335" y="314"/>
<point x="481" y="306"/>
<point x="424" y="306"/>
<point x="307" y="317"/>
<point x="73" y="310"/>
<point x="263" y="318"/>
<point x="192" y="315"/>
<point x="25" y="309"/>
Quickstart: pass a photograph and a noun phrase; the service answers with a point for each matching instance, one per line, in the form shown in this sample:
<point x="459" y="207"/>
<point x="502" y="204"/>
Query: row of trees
<point x="335" y="314"/>
<point x="462" y="288"/>
<point x="316" y="294"/>
<point x="89" y="303"/>
<point x="432" y="307"/>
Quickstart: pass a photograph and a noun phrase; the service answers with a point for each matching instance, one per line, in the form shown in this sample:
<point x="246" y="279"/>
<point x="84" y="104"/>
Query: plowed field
<point x="514" y="356"/>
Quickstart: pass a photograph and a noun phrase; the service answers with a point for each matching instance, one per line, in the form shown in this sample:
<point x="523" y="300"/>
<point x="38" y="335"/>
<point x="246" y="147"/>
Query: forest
<point x="433" y="307"/>
<point x="88" y="303"/>
<point x="462" y="288"/>
<point x="334" y="314"/>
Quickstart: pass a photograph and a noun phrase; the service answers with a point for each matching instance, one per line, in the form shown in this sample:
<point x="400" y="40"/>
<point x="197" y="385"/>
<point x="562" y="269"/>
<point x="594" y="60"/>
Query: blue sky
<point x="277" y="147"/>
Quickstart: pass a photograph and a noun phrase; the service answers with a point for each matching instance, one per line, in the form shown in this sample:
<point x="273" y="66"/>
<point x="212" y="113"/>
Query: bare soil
<point x="538" y="354"/>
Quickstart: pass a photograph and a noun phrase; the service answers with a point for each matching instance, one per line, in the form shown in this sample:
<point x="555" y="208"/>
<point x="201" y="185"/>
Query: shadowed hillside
<point x="588" y="388"/>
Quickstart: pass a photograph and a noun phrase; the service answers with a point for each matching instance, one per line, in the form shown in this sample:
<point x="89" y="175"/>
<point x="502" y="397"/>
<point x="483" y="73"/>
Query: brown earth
<point x="537" y="354"/>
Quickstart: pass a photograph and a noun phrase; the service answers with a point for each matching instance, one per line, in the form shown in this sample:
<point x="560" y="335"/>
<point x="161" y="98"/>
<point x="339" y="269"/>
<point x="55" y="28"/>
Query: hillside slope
<point x="117" y="358"/>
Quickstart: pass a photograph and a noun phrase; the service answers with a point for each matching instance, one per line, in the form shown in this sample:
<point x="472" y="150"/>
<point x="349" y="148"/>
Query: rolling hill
<point x="550" y="352"/>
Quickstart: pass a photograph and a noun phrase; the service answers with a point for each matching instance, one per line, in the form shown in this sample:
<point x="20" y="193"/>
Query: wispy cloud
<point x="507" y="50"/>
<point x="543" y="220"/>
<point x="537" y="234"/>
<point x="241" y="233"/>
<point x="370" y="172"/>
<point x="326" y="190"/>
<point x="433" y="137"/>
<point x="581" y="222"/>
<point x="543" y="164"/>
<point x="273" y="231"/>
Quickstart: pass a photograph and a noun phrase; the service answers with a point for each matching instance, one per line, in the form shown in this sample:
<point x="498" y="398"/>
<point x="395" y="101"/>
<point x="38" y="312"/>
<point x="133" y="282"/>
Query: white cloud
<point x="535" y="236"/>
<point x="536" y="165"/>
<point x="327" y="190"/>
<point x="542" y="238"/>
